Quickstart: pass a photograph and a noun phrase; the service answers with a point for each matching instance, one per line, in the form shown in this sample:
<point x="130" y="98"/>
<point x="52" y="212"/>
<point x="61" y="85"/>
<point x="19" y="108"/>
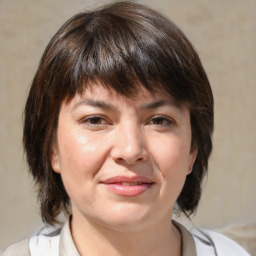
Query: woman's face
<point x="123" y="161"/>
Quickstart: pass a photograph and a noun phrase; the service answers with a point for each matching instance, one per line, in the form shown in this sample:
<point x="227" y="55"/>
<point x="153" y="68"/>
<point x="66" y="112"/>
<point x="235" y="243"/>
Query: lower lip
<point x="129" y="190"/>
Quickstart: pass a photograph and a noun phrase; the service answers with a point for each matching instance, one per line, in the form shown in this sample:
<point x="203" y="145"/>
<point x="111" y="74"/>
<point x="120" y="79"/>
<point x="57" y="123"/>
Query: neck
<point x="95" y="240"/>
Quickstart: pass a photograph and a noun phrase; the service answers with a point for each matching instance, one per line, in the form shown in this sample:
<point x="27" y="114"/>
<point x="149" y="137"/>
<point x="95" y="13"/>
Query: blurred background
<point x="223" y="32"/>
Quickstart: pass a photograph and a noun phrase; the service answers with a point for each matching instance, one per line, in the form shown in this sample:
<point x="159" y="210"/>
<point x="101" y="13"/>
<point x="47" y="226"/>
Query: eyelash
<point x="97" y="120"/>
<point x="90" y="120"/>
<point x="165" y="121"/>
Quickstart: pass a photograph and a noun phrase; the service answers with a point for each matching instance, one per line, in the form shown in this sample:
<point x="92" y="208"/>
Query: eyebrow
<point x="154" y="105"/>
<point x="95" y="103"/>
<point x="109" y="106"/>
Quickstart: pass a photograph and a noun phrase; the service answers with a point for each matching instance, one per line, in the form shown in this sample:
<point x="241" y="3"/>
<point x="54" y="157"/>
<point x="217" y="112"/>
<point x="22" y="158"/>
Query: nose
<point x="129" y="145"/>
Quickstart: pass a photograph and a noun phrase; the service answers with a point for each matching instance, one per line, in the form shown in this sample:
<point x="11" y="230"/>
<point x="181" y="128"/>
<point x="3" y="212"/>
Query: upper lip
<point x="120" y="179"/>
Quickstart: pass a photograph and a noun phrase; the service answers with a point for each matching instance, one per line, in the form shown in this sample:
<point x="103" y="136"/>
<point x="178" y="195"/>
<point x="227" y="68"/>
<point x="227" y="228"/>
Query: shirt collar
<point x="67" y="246"/>
<point x="188" y="244"/>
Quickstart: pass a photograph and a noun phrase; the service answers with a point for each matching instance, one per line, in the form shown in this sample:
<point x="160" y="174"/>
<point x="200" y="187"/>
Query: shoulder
<point x="46" y="242"/>
<point x="18" y="249"/>
<point x="222" y="245"/>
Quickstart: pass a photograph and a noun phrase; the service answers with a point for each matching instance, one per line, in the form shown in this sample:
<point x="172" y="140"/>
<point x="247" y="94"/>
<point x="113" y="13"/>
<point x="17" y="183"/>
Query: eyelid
<point x="91" y="117"/>
<point x="163" y="117"/>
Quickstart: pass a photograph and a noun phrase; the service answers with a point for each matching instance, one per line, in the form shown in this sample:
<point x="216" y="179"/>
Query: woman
<point x="117" y="132"/>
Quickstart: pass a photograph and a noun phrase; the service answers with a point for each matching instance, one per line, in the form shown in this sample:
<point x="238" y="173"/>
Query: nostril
<point x="130" y="157"/>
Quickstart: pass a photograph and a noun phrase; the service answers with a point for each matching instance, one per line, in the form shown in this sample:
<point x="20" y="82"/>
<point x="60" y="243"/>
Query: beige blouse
<point x="67" y="246"/>
<point x="198" y="242"/>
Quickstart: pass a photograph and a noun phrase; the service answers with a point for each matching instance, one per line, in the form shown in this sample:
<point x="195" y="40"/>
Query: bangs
<point x="120" y="54"/>
<point x="113" y="55"/>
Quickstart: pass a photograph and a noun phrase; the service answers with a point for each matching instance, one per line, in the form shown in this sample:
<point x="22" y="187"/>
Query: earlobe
<point x="55" y="160"/>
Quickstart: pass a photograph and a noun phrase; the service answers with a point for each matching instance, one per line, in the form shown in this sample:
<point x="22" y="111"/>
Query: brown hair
<point x="115" y="45"/>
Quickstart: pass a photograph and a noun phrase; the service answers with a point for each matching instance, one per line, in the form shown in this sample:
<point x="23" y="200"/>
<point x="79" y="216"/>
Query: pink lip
<point x="115" y="185"/>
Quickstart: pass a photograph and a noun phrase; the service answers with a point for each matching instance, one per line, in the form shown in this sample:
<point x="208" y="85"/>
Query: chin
<point x="127" y="219"/>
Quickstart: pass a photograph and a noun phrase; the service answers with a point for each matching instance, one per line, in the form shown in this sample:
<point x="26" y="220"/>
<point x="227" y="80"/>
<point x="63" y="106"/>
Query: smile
<point x="130" y="183"/>
<point x="128" y="186"/>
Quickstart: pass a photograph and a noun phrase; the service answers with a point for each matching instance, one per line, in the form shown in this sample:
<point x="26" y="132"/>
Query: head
<point x="124" y="47"/>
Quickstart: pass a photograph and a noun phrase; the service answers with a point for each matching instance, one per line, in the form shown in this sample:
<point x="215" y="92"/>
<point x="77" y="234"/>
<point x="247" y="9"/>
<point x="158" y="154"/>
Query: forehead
<point x="97" y="91"/>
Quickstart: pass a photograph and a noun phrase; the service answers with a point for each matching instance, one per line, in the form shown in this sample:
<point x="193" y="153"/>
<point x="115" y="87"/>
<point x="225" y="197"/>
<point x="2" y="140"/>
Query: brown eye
<point x="160" y="121"/>
<point x="94" y="120"/>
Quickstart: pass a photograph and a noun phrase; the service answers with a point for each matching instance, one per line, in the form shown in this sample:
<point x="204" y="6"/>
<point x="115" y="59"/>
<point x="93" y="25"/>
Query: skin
<point x="102" y="135"/>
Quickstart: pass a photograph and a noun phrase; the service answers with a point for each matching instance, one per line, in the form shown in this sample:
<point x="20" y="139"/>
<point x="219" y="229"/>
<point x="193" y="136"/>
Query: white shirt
<point x="198" y="242"/>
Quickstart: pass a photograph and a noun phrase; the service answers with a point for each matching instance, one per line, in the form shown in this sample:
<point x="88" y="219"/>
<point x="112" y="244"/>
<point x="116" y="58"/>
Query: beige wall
<point x="223" y="31"/>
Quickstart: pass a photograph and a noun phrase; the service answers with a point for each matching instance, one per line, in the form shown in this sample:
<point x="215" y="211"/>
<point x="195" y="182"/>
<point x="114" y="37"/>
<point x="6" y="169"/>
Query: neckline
<point x="67" y="246"/>
<point x="188" y="246"/>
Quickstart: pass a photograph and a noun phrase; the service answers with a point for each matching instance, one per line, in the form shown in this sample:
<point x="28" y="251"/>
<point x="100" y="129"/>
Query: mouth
<point x="128" y="186"/>
<point x="130" y="183"/>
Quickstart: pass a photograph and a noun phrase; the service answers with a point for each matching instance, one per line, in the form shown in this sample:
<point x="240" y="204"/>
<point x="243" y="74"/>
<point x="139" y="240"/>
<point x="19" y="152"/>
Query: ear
<point x="54" y="157"/>
<point x="192" y="159"/>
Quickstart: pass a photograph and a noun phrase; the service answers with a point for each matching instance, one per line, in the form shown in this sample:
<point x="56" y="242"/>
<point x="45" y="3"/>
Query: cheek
<point x="79" y="162"/>
<point x="79" y="154"/>
<point x="172" y="157"/>
<point x="171" y="154"/>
